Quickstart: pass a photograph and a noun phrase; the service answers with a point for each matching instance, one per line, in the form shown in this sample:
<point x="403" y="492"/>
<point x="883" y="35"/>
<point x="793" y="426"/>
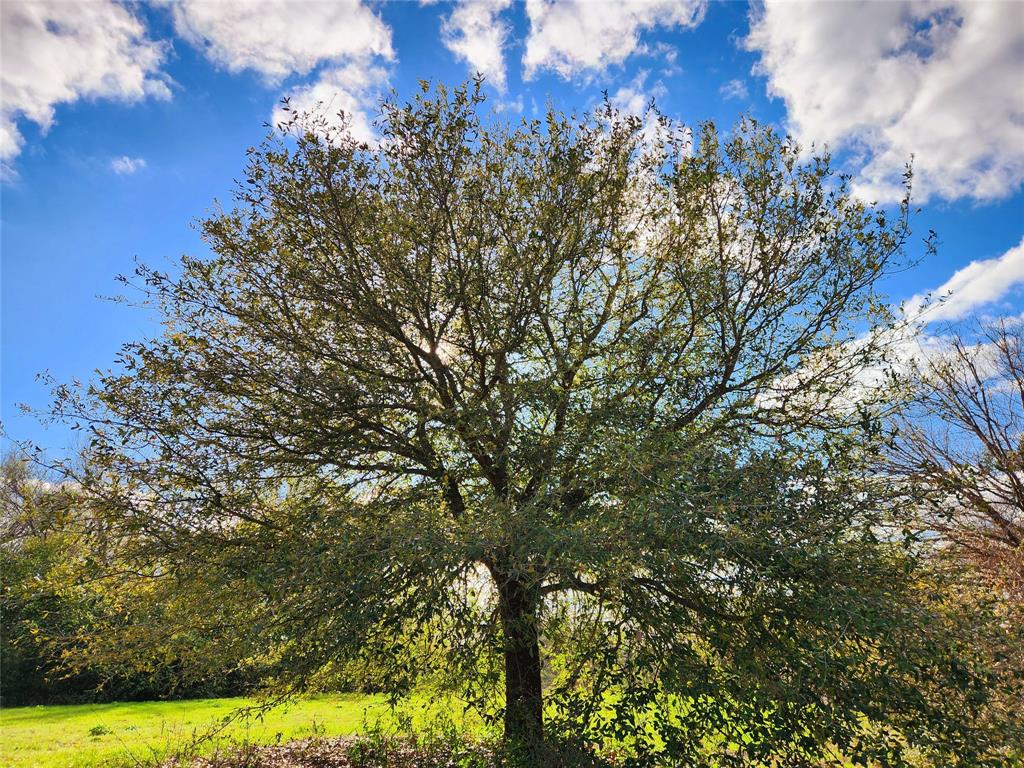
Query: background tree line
<point x="45" y="613"/>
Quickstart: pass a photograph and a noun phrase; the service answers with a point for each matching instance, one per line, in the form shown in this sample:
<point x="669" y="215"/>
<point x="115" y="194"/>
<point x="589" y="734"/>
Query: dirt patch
<point x="346" y="752"/>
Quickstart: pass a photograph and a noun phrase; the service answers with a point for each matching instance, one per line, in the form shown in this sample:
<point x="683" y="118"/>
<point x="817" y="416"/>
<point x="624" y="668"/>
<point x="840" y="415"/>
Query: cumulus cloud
<point x="939" y="80"/>
<point x="345" y="41"/>
<point x="978" y="284"/>
<point x="281" y="37"/>
<point x="352" y="89"/>
<point x="58" y="52"/>
<point x="476" y="34"/>
<point x="126" y="166"/>
<point x="574" y="36"/>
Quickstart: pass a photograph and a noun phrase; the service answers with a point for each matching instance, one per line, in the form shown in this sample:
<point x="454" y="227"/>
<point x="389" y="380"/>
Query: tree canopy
<point x="569" y="412"/>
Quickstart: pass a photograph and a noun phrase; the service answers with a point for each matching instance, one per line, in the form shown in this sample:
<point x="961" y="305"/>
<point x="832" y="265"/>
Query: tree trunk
<point x="524" y="722"/>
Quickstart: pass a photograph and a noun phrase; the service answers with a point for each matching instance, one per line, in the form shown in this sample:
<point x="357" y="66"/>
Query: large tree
<point x="572" y="395"/>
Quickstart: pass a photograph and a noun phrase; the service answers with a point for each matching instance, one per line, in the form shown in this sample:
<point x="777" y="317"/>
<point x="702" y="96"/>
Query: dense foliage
<point x="568" y="414"/>
<point x="44" y="615"/>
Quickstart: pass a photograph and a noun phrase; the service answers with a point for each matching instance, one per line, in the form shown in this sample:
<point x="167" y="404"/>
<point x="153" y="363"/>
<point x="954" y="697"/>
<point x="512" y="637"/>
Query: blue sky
<point x="122" y="123"/>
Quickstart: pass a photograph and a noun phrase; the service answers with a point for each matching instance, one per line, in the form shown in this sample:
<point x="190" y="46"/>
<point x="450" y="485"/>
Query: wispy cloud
<point x="125" y="166"/>
<point x="734" y="89"/>
<point x="979" y="284"/>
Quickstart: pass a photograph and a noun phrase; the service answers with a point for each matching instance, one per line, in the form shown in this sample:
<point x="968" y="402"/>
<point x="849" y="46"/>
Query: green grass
<point x="92" y="735"/>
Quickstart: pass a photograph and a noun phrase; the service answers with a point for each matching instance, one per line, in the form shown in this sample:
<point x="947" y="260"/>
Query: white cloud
<point x="939" y="80"/>
<point x="281" y="37"/>
<point x="634" y="98"/>
<point x="734" y="89"/>
<point x="475" y="33"/>
<point x="126" y="166"/>
<point x="59" y="52"/>
<point x="978" y="284"/>
<point x="575" y="35"/>
<point x="352" y="89"/>
<point x="912" y="341"/>
<point x="670" y="55"/>
<point x="510" y="105"/>
<point x="278" y="38"/>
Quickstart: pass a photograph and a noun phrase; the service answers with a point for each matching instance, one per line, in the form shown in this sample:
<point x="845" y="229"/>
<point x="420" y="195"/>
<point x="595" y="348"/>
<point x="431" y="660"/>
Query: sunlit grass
<point x="90" y="735"/>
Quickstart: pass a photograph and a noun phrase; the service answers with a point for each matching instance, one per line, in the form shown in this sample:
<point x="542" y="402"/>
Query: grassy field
<point x="92" y="735"/>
